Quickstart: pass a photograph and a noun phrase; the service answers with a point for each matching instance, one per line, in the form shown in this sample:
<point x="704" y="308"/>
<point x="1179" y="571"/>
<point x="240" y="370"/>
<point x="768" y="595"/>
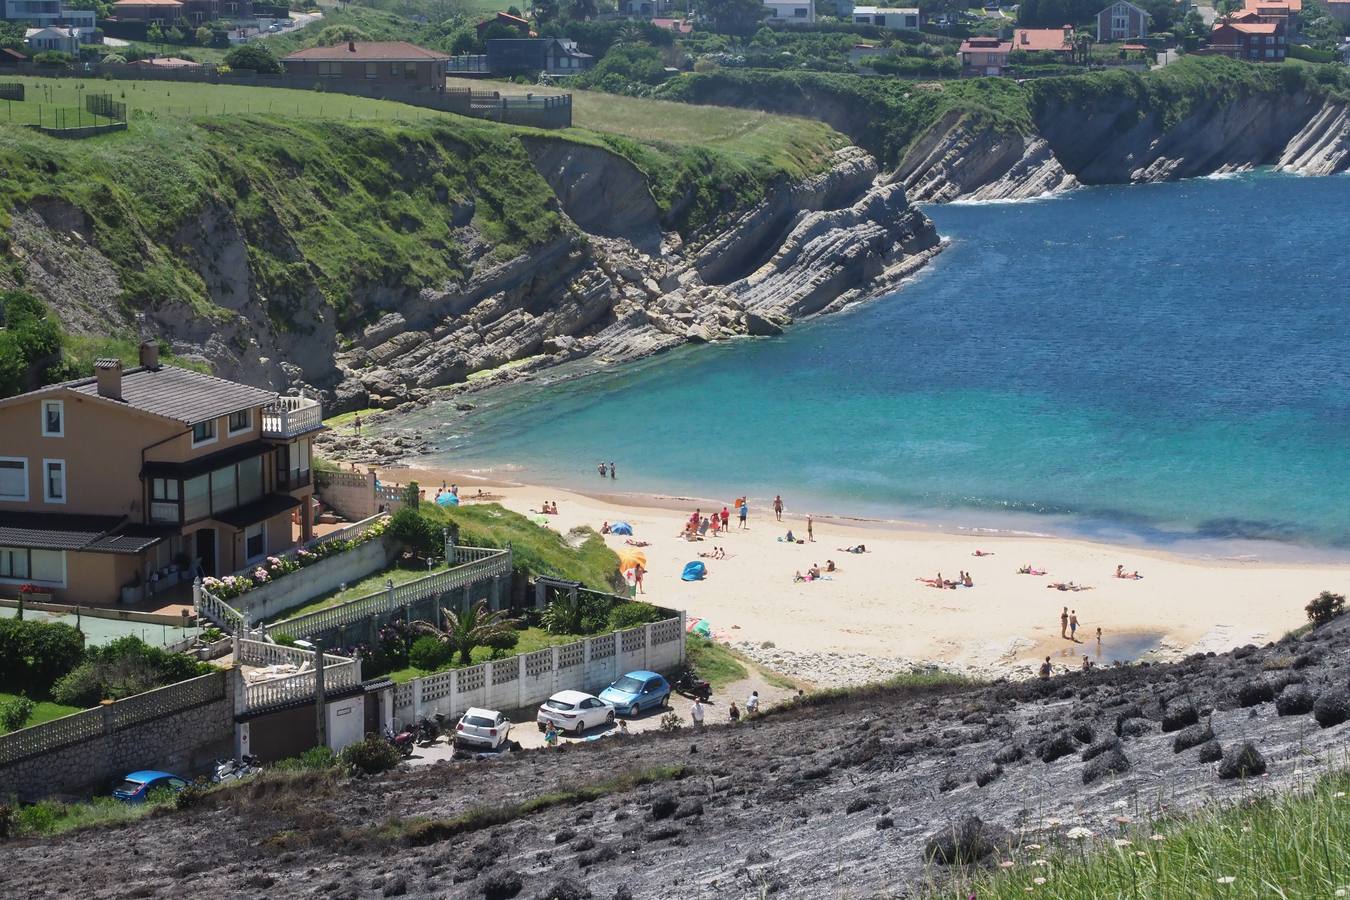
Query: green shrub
<point x="502" y="642"/>
<point x="370" y="756"/>
<point x="1326" y="607"/>
<point x="122" y="668"/>
<point x="14" y="713"/>
<point x="631" y="615"/>
<point x="416" y="531"/>
<point x="35" y="654"/>
<point x="80" y="687"/>
<point x="429" y="654"/>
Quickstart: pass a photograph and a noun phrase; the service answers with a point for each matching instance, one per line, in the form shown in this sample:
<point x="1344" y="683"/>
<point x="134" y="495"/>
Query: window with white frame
<point x="203" y="432"/>
<point x="13" y="478"/>
<point x="13" y="562"/>
<point x="53" y="418"/>
<point x="255" y="542"/>
<point x="44" y="567"/>
<point x="241" y="421"/>
<point x="54" y="480"/>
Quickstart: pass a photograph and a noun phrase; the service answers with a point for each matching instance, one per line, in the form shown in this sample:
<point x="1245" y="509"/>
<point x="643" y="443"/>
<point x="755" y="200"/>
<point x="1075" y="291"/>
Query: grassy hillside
<point x="887" y="115"/>
<point x="1291" y="846"/>
<point x="338" y="195"/>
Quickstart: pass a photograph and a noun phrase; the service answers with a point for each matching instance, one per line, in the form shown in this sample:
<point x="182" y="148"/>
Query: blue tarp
<point x="694" y="571"/>
<point x="448" y="499"/>
<point x="621" y="528"/>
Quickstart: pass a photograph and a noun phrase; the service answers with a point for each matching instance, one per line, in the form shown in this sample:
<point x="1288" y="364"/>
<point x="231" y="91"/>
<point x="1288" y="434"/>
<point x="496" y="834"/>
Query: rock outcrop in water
<point x="1121" y="140"/>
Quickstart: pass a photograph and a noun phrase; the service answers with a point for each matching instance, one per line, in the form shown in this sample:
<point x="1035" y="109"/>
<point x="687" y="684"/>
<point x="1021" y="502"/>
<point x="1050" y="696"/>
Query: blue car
<point x="138" y="785"/>
<point x="637" y="691"/>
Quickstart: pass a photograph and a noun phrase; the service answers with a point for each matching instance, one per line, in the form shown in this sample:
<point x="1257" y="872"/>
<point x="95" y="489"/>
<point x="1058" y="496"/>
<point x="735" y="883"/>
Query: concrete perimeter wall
<point x="522" y="681"/>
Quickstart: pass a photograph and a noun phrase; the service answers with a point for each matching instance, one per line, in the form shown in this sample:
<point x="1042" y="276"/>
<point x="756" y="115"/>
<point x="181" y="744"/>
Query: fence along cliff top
<point x="537" y="110"/>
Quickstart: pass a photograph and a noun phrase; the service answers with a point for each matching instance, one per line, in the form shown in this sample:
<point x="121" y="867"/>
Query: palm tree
<point x="462" y="633"/>
<point x="630" y="35"/>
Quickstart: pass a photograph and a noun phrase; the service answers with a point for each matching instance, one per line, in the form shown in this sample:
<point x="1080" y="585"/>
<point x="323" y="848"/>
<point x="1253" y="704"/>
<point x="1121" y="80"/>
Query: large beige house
<point x="141" y="478"/>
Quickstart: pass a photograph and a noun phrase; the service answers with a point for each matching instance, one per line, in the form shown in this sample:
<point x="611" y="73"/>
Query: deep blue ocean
<point x="1167" y="364"/>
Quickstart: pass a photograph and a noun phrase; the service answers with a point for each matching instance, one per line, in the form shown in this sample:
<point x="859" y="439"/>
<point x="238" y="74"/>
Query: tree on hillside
<point x="579" y="10"/>
<point x="30" y="342"/>
<point x="11" y="35"/>
<point x="739" y="16"/>
<point x="333" y="35"/>
<point x="253" y="56"/>
<point x="479" y="627"/>
<point x="545" y="11"/>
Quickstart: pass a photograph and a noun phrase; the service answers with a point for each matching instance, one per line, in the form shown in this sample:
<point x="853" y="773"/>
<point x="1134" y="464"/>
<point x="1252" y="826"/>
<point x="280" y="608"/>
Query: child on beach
<point x="1073" y="626"/>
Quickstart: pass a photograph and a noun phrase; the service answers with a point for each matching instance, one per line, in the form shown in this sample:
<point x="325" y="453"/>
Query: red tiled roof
<point x="985" y="45"/>
<point x="1291" y="5"/>
<point x="505" y="18"/>
<point x="678" y="25"/>
<point x="1252" y="27"/>
<point x="370" y="51"/>
<point x="1034" y="39"/>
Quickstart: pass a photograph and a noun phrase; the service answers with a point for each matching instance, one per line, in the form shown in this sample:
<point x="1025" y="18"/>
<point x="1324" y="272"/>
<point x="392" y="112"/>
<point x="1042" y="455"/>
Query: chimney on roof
<point x="1026" y="38"/>
<point x="150" y="355"/>
<point x="109" y="375"/>
<point x="351" y="46"/>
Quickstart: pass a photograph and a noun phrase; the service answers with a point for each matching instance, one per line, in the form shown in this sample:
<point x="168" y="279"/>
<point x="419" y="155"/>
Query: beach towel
<point x="694" y="571"/>
<point x="621" y="528"/>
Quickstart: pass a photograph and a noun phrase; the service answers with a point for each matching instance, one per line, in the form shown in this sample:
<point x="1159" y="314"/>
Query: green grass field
<point x="181" y="100"/>
<point x="356" y="590"/>
<point x="531" y="639"/>
<point x="43" y="710"/>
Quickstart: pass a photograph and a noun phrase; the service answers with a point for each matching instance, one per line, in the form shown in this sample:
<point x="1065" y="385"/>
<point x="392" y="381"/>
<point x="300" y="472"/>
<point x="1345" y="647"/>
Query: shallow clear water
<point x="1164" y="363"/>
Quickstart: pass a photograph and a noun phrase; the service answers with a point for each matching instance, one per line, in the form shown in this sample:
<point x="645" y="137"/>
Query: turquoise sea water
<point x="1167" y="364"/>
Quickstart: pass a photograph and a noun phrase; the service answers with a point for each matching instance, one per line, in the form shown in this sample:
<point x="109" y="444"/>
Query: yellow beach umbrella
<point x="630" y="557"/>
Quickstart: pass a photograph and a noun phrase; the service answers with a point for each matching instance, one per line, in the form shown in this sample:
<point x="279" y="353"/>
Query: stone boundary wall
<point x="531" y="678"/>
<point x="178" y="728"/>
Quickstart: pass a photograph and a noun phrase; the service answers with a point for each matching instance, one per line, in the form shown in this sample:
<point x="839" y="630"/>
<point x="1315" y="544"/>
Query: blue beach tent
<point x="621" y="528"/>
<point x="694" y="571"/>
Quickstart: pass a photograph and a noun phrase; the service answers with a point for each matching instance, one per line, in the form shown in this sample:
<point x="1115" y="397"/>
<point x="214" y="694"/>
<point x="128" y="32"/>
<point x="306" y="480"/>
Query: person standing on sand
<point x="778" y="507"/>
<point x="743" y="511"/>
<point x="1064" y="623"/>
<point x="810" y="535"/>
<point x="638" y="572"/>
<point x="726" y="518"/>
<point x="1073" y="626"/>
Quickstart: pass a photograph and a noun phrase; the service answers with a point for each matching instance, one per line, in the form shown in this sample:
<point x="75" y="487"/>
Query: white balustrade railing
<point x="290" y="416"/>
<point x="489" y="564"/>
<point x="339" y="673"/>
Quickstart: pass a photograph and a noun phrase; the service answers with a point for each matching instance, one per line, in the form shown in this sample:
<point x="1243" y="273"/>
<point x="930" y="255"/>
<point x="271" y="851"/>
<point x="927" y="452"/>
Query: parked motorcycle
<point x="689" y="684"/>
<point x="404" y="741"/>
<point x="234" y="769"/>
<point x="429" y="729"/>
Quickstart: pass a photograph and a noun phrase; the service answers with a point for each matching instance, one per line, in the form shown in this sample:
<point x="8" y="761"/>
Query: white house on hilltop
<point x="894" y="18"/>
<point x="66" y="40"/>
<point x="799" y="11"/>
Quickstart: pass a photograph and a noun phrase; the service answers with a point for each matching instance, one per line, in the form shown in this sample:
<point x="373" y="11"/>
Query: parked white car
<point x="574" y="711"/>
<point x="482" y="728"/>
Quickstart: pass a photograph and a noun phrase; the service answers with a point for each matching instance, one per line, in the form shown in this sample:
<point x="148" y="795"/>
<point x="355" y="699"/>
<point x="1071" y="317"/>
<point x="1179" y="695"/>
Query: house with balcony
<point x="1246" y="36"/>
<point x="141" y="478"/>
<point x="983" y="55"/>
<point x="49" y="14"/>
<point x="1122" y="21"/>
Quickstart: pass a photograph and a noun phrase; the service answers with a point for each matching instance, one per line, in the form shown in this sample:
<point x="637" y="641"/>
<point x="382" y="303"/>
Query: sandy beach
<point x="876" y="616"/>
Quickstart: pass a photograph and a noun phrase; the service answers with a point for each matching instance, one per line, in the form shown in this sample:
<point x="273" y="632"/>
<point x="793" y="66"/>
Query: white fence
<point x="339" y="673"/>
<point x="474" y="564"/>
<point x="289" y="416"/>
<point x="532" y="678"/>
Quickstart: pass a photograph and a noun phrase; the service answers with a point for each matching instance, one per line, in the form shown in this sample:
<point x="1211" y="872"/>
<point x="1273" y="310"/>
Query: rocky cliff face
<point x="617" y="279"/>
<point x="1119" y="140"/>
<point x="621" y="288"/>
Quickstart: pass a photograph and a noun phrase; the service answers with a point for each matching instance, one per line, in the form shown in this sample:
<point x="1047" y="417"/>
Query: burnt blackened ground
<point x="829" y="799"/>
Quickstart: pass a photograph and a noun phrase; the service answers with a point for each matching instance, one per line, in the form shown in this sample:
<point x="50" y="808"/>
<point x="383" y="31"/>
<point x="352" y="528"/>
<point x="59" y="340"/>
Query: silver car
<point x="574" y="711"/>
<point x="482" y="728"/>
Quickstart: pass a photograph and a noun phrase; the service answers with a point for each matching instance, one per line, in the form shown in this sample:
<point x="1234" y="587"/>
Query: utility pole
<point x="320" y="707"/>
